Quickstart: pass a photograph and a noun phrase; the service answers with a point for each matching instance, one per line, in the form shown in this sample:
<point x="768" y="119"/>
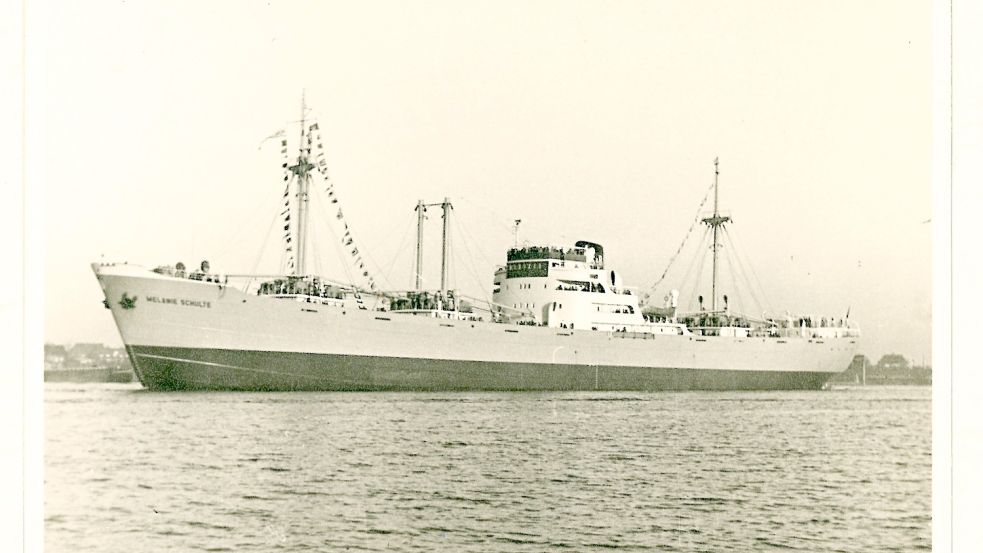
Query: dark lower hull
<point x="167" y="368"/>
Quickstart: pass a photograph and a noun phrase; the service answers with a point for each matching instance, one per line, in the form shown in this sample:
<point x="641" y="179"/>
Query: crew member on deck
<point x="200" y="273"/>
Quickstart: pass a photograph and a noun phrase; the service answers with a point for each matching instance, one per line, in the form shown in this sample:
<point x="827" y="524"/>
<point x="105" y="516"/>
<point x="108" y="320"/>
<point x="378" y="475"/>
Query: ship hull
<point x="168" y="368"/>
<point x="191" y="335"/>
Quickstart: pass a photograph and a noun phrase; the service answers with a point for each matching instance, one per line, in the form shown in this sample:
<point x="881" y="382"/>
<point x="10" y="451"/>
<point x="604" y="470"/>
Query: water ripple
<point x="846" y="470"/>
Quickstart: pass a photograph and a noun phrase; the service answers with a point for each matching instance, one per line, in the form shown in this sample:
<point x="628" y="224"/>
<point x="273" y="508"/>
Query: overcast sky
<point x="595" y="121"/>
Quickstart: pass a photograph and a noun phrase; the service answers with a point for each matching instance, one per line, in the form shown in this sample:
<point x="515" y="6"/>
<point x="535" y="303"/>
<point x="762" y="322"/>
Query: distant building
<point x="893" y="362"/>
<point x="55" y="351"/>
<point x="55" y="356"/>
<point x="89" y="350"/>
<point x="83" y="355"/>
<point x="86" y="362"/>
<point x="892" y="368"/>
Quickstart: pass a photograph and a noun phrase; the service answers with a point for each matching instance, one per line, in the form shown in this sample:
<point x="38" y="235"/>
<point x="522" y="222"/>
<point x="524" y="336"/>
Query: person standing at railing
<point x="201" y="272"/>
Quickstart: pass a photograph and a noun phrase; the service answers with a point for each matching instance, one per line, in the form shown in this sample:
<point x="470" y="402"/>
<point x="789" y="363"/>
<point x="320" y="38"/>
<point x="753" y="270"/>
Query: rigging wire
<point x="399" y="249"/>
<point x="315" y="253"/>
<point x="312" y="237"/>
<point x="242" y="232"/>
<point x="286" y="257"/>
<point x="742" y="253"/>
<point x="312" y="252"/>
<point x="452" y="261"/>
<point x="697" y="282"/>
<point x="266" y="241"/>
<point x="407" y="229"/>
<point x="467" y="234"/>
<point x="509" y="227"/>
<point x="699" y="211"/>
<point x="763" y="303"/>
<point x="738" y="270"/>
<point x="496" y="217"/>
<point x="735" y="291"/>
<point x="367" y="256"/>
<point x="363" y="258"/>
<point x="324" y="220"/>
<point x="472" y="269"/>
<point x="743" y="274"/>
<point x="412" y="274"/>
<point x="689" y="269"/>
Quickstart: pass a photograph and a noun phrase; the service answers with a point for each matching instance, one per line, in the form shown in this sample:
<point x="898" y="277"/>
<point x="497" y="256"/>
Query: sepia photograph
<point x="485" y="276"/>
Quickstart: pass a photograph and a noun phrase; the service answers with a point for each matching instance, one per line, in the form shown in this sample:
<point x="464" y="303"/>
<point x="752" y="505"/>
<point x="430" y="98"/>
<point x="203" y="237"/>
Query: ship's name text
<point x="178" y="301"/>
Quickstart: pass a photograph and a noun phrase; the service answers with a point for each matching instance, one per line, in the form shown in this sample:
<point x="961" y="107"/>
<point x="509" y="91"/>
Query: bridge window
<point x="522" y="269"/>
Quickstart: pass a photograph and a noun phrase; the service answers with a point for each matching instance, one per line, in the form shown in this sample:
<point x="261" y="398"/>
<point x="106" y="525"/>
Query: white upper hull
<point x="170" y="312"/>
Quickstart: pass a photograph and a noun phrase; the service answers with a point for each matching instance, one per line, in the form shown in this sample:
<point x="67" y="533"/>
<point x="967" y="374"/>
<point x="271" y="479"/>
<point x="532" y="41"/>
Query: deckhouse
<point x="566" y="288"/>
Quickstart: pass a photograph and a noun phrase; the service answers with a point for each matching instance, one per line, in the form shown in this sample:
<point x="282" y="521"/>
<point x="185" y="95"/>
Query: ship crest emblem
<point x="127" y="302"/>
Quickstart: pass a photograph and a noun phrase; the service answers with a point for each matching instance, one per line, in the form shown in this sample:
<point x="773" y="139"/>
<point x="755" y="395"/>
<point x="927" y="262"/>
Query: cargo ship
<point x="558" y="319"/>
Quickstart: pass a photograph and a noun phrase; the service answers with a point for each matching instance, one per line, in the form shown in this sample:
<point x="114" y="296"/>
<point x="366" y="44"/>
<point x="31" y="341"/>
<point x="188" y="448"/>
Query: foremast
<point x="716" y="223"/>
<point x="302" y="170"/>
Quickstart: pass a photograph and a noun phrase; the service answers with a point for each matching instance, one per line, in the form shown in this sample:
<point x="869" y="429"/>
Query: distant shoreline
<point x="89" y="374"/>
<point x="851" y="384"/>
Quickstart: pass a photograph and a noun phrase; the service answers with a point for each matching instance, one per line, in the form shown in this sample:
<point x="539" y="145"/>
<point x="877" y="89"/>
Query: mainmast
<point x="302" y="169"/>
<point x="445" y="253"/>
<point x="420" y="210"/>
<point x="716" y="222"/>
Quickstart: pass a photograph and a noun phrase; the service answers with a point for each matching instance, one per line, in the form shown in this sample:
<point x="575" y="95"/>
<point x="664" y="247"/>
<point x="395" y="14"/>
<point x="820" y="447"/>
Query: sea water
<point x="847" y="469"/>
